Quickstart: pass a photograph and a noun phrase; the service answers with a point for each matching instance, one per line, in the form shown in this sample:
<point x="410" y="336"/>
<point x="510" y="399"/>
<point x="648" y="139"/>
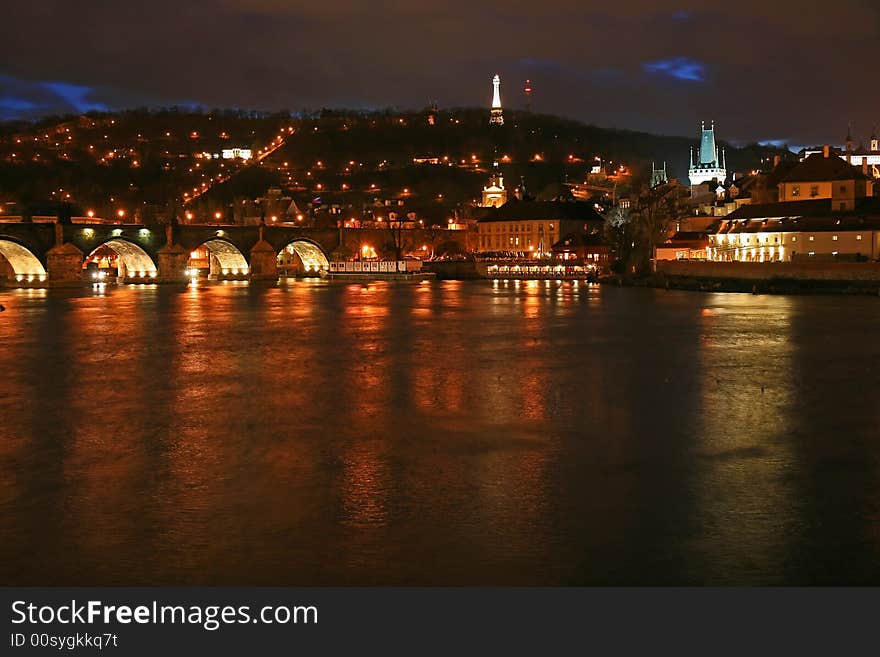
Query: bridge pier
<point x="64" y="265"/>
<point x="172" y="260"/>
<point x="263" y="261"/>
<point x="214" y="268"/>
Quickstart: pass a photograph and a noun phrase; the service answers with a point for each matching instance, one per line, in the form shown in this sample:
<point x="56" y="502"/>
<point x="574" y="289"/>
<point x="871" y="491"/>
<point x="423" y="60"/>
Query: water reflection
<point x="745" y="362"/>
<point x="506" y="432"/>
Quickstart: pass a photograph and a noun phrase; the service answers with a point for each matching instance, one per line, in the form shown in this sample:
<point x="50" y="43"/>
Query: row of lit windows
<point x="814" y="190"/>
<point x="511" y="228"/>
<point x="500" y="242"/>
<point x="755" y="240"/>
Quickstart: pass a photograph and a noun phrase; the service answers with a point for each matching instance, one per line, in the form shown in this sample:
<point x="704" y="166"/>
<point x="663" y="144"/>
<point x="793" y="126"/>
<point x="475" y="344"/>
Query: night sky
<point x="789" y="71"/>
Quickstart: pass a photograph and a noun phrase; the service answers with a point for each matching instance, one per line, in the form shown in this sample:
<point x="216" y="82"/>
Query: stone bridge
<point x="49" y="253"/>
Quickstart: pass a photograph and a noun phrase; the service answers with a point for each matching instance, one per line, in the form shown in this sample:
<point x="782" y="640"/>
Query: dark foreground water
<point x="438" y="433"/>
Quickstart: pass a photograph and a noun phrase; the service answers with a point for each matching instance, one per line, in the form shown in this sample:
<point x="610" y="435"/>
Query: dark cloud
<point x="781" y="70"/>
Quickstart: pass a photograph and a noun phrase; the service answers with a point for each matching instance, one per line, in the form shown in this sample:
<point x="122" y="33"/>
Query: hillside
<point x="151" y="162"/>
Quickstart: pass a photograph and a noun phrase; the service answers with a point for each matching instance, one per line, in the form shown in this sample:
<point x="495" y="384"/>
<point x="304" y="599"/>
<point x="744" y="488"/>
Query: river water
<point x="438" y="433"/>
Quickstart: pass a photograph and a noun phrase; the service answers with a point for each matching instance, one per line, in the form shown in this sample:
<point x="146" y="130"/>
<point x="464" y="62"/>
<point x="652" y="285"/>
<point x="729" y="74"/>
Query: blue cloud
<point x="27" y="99"/>
<point x="12" y="104"/>
<point x="680" y="68"/>
<point x="76" y="95"/>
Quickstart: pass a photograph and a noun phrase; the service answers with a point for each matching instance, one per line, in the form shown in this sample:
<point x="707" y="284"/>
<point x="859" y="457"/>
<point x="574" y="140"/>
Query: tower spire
<point x="496" y="115"/>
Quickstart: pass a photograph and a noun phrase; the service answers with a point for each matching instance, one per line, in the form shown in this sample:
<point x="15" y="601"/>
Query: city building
<point x="237" y="153"/>
<point x="494" y="194"/>
<point x="684" y="245"/>
<point x="588" y="247"/>
<point x="709" y="163"/>
<point x="822" y="176"/>
<point x="496" y="115"/>
<point x="797" y="231"/>
<point x="531" y="228"/>
<point x="658" y="176"/>
<point x="826" y="212"/>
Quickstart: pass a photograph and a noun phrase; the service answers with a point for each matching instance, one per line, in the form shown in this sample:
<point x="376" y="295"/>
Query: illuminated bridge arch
<point x="131" y="260"/>
<point x="224" y="256"/>
<point x="25" y="265"/>
<point x="312" y="256"/>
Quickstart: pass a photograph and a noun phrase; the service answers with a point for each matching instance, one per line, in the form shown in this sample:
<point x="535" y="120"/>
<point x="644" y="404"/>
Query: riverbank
<point x="768" y="286"/>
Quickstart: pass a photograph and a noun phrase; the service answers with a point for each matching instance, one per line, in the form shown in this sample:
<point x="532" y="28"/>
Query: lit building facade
<point x="494" y="194"/>
<point x="531" y="228"/>
<point x="237" y="153"/>
<point x="826" y="211"/>
<point x="797" y="238"/>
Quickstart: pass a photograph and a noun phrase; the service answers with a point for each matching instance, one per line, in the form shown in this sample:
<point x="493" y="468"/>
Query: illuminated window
<point x="796" y="190"/>
<point x="794" y="238"/>
<point x="834" y="237"/>
<point x="858" y="237"/>
<point x="812" y="239"/>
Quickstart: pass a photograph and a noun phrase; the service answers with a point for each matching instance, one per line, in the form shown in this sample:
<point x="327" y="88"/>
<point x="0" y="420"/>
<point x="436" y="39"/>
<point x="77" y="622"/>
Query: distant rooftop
<point x="542" y="210"/>
<point x="817" y="167"/>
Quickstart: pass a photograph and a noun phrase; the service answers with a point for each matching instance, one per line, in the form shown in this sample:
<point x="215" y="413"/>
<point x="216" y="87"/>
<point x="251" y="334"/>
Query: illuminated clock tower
<point x="496" y="117"/>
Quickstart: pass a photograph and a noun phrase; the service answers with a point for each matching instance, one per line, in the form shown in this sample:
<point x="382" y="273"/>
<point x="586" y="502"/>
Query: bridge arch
<point x="307" y="251"/>
<point x="218" y="257"/>
<point x="128" y="258"/>
<point x="25" y="266"/>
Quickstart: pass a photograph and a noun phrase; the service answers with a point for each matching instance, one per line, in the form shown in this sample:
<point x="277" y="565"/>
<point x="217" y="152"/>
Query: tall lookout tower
<point x="496" y="116"/>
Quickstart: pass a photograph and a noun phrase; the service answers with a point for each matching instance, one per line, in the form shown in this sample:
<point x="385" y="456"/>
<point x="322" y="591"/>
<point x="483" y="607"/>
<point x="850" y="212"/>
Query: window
<point x="814" y="190"/>
<point x="834" y="237"/>
<point x="858" y="237"/>
<point x="843" y="189"/>
<point x="796" y="190"/>
<point x="843" y="206"/>
<point x="812" y="239"/>
<point x="794" y="238"/>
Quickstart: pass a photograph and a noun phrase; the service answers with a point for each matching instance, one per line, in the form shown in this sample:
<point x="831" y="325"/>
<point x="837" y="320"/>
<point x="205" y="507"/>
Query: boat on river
<point x="389" y="270"/>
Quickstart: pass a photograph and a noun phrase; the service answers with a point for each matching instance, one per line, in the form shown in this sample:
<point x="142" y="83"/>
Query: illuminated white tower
<point x="709" y="163"/>
<point x="495" y="116"/>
